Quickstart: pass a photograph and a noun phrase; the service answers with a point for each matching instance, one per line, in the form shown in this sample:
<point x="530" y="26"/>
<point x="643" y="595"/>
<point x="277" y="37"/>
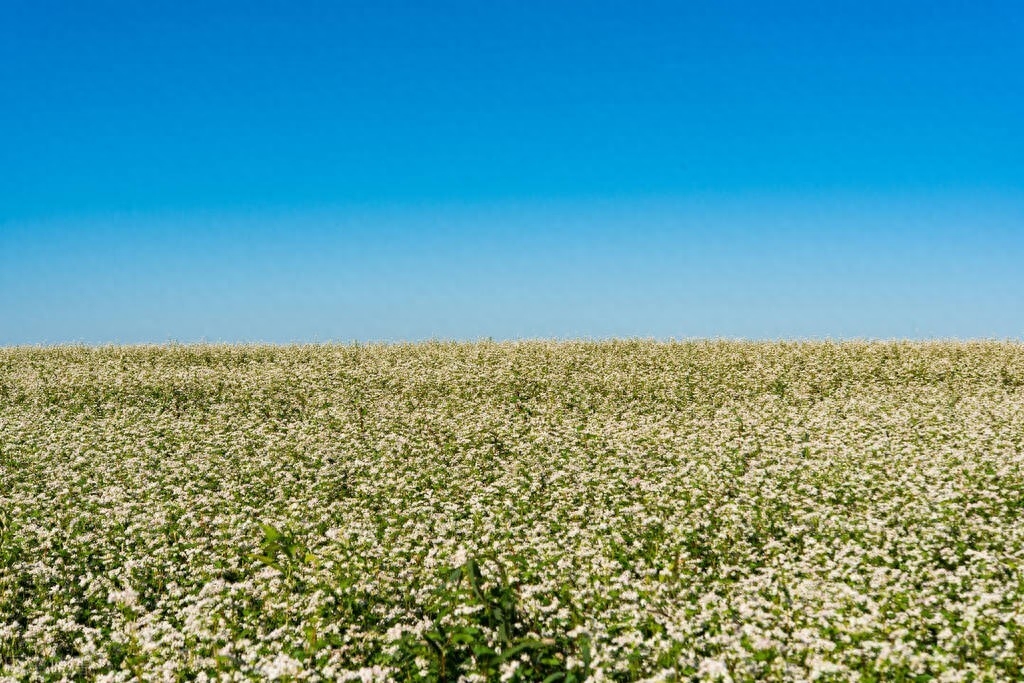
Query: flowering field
<point x="529" y="511"/>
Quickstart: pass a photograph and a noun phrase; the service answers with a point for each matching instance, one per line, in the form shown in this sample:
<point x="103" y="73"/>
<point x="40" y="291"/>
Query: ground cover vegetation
<point x="513" y="511"/>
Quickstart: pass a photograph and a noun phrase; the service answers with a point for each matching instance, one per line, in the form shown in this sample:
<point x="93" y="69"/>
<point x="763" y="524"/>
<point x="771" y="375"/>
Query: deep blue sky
<point x="315" y="171"/>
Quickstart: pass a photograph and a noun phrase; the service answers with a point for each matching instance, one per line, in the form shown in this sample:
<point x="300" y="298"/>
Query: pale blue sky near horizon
<point x="298" y="172"/>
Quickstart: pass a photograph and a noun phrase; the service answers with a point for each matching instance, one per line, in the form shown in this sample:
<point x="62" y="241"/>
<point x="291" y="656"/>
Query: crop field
<point x="533" y="511"/>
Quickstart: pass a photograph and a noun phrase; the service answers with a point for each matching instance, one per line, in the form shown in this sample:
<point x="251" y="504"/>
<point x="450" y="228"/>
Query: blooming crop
<point x="513" y="511"/>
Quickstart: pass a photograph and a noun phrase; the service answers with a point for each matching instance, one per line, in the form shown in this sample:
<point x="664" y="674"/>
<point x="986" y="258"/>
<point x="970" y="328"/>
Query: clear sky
<point x="306" y="171"/>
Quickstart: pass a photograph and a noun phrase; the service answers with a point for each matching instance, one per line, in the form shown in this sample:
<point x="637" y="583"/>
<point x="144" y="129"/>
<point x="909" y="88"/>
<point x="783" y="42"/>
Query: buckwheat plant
<point x="533" y="511"/>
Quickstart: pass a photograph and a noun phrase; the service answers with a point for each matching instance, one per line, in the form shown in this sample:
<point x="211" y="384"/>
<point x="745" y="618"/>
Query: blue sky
<point x="383" y="171"/>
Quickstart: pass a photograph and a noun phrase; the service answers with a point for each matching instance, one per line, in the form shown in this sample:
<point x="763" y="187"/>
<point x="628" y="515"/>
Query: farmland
<point x="551" y="511"/>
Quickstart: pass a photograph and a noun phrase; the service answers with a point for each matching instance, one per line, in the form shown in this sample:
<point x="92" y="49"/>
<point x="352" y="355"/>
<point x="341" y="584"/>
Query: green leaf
<point x="483" y="651"/>
<point x="463" y="638"/>
<point x="521" y="646"/>
<point x="267" y="560"/>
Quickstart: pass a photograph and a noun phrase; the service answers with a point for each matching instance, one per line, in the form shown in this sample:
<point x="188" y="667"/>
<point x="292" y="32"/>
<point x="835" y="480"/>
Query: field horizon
<point x="443" y="341"/>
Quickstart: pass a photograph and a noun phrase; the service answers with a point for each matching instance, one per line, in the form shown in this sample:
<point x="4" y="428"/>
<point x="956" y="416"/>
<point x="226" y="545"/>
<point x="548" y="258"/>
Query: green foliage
<point x="282" y="551"/>
<point x="492" y="634"/>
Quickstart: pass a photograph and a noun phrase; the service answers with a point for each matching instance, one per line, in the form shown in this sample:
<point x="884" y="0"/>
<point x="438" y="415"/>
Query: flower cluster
<point x="555" y="511"/>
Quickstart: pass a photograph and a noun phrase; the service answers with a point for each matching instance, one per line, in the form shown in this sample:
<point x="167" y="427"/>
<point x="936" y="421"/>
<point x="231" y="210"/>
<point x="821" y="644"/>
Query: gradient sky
<point x="388" y="171"/>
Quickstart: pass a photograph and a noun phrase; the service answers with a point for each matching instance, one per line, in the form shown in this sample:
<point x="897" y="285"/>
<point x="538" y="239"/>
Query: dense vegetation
<point x="527" y="511"/>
